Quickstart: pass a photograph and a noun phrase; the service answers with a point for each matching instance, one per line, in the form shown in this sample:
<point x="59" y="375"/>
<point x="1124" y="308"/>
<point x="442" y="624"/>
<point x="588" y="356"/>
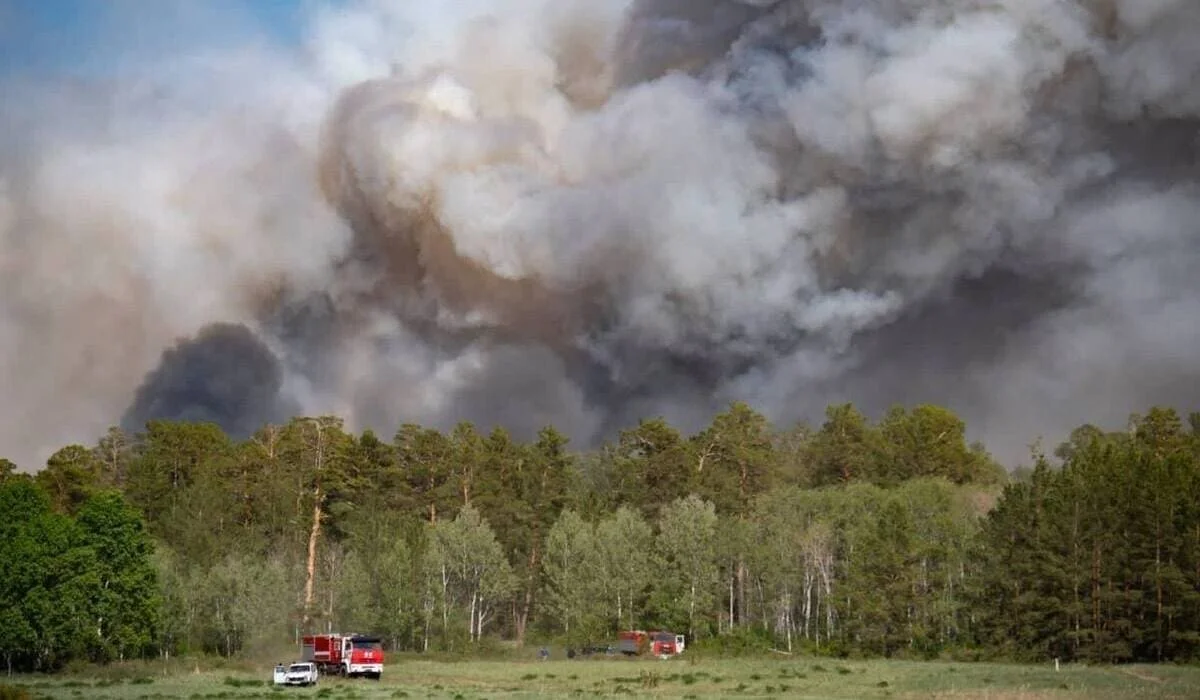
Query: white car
<point x="303" y="673"/>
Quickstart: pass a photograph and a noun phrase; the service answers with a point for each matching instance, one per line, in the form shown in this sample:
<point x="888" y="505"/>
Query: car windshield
<point x="299" y="667"/>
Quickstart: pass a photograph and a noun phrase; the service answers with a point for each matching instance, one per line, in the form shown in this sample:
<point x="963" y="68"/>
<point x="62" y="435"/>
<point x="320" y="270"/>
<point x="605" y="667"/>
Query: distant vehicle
<point x="632" y="642"/>
<point x="345" y="654"/>
<point x="303" y="673"/>
<point x="659" y="643"/>
<point x="664" y="644"/>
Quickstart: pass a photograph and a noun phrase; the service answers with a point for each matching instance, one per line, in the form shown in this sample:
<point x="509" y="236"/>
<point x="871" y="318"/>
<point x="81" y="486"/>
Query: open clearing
<point x="677" y="678"/>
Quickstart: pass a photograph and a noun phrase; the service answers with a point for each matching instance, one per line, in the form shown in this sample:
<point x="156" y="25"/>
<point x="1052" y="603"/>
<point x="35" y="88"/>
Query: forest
<point x="893" y="537"/>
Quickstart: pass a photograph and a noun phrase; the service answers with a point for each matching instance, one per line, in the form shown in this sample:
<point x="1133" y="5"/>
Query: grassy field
<point x="676" y="678"/>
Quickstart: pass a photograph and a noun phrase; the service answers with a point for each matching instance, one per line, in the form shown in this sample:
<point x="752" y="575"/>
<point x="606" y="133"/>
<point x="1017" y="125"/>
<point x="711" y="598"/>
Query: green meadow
<point x="676" y="678"/>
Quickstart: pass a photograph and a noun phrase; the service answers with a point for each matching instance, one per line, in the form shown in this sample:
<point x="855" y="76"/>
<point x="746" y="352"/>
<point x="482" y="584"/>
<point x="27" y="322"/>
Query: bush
<point x="743" y="641"/>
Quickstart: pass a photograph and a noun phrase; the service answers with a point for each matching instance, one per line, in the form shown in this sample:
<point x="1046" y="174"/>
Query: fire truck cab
<point x="664" y="644"/>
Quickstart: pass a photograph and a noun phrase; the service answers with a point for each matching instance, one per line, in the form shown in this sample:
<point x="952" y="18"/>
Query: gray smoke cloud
<point x="588" y="211"/>
<point x="224" y="375"/>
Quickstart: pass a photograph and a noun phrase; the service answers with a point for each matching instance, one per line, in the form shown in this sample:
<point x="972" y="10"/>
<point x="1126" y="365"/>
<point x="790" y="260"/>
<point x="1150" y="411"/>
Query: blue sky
<point x="39" y="38"/>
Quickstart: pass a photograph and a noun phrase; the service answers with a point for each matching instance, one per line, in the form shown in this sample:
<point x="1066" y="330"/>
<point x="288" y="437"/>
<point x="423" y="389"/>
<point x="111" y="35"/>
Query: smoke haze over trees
<point x="589" y="211"/>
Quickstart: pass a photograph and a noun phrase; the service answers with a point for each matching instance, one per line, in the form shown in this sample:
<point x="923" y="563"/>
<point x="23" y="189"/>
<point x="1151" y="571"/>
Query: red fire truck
<point x="345" y="654"/>
<point x="658" y="643"/>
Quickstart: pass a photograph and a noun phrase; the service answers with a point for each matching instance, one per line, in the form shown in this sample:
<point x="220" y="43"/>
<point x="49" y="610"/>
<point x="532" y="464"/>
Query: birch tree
<point x="240" y="602"/>
<point x="687" y="542"/>
<point x="626" y="545"/>
<point x="471" y="567"/>
<point x="380" y="582"/>
<point x="574" y="576"/>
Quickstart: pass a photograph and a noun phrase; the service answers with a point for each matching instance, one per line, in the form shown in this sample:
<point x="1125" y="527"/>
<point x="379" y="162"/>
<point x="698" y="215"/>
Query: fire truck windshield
<point x="367" y="644"/>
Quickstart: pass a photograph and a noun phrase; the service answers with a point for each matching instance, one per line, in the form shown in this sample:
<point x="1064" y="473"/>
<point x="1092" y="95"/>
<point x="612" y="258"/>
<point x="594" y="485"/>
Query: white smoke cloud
<point x="581" y="211"/>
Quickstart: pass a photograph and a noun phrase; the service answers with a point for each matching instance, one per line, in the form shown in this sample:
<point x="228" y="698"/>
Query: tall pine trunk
<point x="311" y="567"/>
<point x="527" y="601"/>
<point x="315" y="531"/>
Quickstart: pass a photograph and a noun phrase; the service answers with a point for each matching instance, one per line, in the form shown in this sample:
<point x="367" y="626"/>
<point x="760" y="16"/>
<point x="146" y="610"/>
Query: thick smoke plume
<point x="588" y="211"/>
<point x="225" y="375"/>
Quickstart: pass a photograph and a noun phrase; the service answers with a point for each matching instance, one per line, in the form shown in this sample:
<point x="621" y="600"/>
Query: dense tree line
<point x="73" y="585"/>
<point x="894" y="537"/>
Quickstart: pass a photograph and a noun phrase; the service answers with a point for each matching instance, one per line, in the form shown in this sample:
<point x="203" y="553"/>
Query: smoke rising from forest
<point x="589" y="211"/>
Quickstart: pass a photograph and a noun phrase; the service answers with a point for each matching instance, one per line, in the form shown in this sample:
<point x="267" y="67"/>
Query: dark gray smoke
<point x="225" y="375"/>
<point x="587" y="211"/>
